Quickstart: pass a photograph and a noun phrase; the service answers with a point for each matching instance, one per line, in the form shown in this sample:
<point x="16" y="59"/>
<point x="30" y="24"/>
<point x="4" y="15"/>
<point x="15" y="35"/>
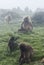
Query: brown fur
<point x="26" y="53"/>
<point x="27" y="25"/>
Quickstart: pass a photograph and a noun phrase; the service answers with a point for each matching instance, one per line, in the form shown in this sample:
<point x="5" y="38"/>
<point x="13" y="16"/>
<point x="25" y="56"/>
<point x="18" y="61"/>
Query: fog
<point x="31" y="4"/>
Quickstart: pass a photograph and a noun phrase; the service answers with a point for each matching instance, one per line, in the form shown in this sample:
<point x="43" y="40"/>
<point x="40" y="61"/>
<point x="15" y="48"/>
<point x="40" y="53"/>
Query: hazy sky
<point x="32" y="4"/>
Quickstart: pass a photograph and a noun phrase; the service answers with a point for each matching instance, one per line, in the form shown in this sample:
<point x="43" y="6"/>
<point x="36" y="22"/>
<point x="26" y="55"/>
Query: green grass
<point x="35" y="39"/>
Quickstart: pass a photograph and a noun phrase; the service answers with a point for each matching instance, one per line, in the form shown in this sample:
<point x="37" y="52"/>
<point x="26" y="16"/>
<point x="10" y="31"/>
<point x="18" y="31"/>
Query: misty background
<point x="16" y="10"/>
<point x="31" y="4"/>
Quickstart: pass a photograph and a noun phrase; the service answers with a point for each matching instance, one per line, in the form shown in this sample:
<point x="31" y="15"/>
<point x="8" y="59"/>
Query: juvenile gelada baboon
<point x="26" y="53"/>
<point x="12" y="44"/>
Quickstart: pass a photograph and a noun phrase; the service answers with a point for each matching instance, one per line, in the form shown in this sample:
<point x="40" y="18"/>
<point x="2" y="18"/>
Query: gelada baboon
<point x="26" y="53"/>
<point x="27" y="24"/>
<point x="12" y="44"/>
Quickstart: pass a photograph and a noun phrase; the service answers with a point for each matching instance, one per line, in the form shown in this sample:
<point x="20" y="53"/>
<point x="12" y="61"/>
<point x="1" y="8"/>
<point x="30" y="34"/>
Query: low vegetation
<point x="35" y="39"/>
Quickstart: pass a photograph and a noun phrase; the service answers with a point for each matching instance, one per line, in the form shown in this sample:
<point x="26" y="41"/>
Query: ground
<point x="35" y="39"/>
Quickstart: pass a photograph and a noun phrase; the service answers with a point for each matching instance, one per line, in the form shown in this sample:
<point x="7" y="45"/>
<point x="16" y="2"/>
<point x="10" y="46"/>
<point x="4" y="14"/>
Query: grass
<point x="35" y="39"/>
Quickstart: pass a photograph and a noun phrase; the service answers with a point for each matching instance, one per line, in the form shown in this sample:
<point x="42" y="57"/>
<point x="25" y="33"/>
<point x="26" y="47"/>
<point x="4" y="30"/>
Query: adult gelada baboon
<point x="27" y="24"/>
<point x="26" y="53"/>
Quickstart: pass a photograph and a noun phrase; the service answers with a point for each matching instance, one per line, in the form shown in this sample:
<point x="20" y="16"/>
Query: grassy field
<point x="35" y="39"/>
